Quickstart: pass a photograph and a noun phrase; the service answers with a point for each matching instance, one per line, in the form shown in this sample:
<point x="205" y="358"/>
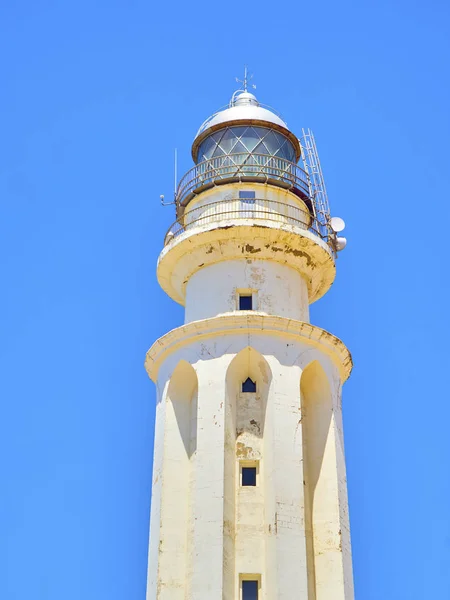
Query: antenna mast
<point x="175" y="176"/>
<point x="174" y="185"/>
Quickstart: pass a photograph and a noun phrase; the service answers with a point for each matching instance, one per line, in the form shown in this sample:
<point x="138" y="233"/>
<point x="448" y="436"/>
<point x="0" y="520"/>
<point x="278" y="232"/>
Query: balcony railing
<point x="259" y="211"/>
<point x="237" y="167"/>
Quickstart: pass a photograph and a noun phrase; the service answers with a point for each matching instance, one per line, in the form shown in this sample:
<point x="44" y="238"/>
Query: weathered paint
<point x="290" y="531"/>
<point x="230" y="530"/>
<point x="277" y="289"/>
<point x="218" y="238"/>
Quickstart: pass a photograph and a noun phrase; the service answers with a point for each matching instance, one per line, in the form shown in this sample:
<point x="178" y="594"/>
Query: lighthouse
<point x="249" y="493"/>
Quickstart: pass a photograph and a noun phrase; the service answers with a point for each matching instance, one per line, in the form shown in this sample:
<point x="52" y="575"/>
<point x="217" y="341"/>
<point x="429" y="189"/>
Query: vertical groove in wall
<point x="307" y="414"/>
<point x="323" y="471"/>
<point x="191" y="482"/>
<point x="173" y="553"/>
<point x="229" y="509"/>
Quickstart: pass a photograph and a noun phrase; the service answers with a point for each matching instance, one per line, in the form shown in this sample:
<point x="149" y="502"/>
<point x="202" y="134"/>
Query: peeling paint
<point x="250" y="249"/>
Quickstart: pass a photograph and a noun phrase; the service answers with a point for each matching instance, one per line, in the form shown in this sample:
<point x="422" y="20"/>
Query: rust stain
<point x="250" y="249"/>
<point x="299" y="253"/>
<point x="228" y="528"/>
<point x="255" y="425"/>
<point x="294" y="252"/>
<point x="243" y="451"/>
<point x="262" y="368"/>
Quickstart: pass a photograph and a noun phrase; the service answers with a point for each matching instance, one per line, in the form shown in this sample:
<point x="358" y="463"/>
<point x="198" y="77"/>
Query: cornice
<point x="200" y="247"/>
<point x="256" y="323"/>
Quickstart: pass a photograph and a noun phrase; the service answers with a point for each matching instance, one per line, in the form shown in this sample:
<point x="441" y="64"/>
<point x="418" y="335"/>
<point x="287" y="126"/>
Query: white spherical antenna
<point x="341" y="242"/>
<point x="337" y="224"/>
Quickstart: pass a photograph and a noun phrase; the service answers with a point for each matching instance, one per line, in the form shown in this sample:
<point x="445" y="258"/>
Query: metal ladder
<point x="316" y="183"/>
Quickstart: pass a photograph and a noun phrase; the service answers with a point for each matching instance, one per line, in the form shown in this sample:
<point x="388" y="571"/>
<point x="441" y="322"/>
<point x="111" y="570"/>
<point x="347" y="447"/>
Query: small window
<point x="247" y="197"/>
<point x="250" y="589"/>
<point x="245" y="302"/>
<point x="248" y="476"/>
<point x="249" y="386"/>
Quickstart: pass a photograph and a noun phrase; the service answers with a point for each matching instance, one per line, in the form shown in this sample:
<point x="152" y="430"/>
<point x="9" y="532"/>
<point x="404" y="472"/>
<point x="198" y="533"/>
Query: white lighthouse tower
<point x="249" y="494"/>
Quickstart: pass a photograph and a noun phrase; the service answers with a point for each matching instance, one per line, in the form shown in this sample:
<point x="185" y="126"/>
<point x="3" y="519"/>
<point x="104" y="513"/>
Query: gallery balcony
<point x="252" y="212"/>
<point x="244" y="167"/>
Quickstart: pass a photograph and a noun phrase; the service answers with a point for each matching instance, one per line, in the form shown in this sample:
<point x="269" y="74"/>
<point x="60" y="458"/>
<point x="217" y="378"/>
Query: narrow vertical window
<point x="250" y="589"/>
<point x="249" y="386"/>
<point x="245" y="302"/>
<point x="248" y="476"/>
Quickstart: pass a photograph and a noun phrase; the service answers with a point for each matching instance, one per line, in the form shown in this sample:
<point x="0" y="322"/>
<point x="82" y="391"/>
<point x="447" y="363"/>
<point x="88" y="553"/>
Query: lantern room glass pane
<point x="250" y="138"/>
<point x="207" y="148"/>
<point x="239" y="148"/>
<point x="246" y="140"/>
<point x="273" y="142"/>
<point x="228" y="141"/>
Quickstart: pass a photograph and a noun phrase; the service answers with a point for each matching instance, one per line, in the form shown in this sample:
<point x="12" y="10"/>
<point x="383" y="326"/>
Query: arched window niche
<point x="179" y="458"/>
<point x="182" y="399"/>
<point x="247" y="382"/>
<point x="245" y="421"/>
<point x="318" y="465"/>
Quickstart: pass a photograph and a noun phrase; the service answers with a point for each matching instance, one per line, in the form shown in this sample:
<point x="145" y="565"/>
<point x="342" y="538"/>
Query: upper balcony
<point x="248" y="221"/>
<point x="231" y="168"/>
<point x="244" y="210"/>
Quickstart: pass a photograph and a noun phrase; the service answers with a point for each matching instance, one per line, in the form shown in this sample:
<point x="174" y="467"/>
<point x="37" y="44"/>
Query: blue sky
<point x="95" y="97"/>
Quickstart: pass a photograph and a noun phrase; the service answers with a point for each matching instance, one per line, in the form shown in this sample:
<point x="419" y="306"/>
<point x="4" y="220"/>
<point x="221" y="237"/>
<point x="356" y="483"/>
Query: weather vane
<point x="246" y="81"/>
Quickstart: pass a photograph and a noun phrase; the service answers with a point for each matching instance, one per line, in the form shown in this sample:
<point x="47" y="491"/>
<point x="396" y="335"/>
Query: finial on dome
<point x="243" y="96"/>
<point x="246" y="80"/>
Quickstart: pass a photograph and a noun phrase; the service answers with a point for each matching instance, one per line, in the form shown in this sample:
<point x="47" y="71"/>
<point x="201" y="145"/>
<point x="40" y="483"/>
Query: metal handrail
<point x="258" y="209"/>
<point x="264" y="167"/>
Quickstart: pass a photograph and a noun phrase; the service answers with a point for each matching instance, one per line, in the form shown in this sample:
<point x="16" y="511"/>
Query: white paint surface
<point x="278" y="289"/>
<point x="231" y="531"/>
<point x="291" y="531"/>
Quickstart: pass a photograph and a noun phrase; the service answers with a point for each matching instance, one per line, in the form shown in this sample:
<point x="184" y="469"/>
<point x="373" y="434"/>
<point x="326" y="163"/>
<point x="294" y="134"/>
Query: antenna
<point x="337" y="224"/>
<point x="246" y="80"/>
<point x="175" y="185"/>
<point x="341" y="242"/>
<point x="175" y="176"/>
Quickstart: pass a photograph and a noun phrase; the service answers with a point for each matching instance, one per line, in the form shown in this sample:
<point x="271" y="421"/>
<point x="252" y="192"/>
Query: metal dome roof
<point x="243" y="108"/>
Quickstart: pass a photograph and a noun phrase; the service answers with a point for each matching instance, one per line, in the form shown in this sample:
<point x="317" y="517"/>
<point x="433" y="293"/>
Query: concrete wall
<point x="225" y="531"/>
<point x="278" y="289"/>
<point x="291" y="530"/>
<point x="326" y="515"/>
<point x="278" y="203"/>
<point x="176" y="476"/>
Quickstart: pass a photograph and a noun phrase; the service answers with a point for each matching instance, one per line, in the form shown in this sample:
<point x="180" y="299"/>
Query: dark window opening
<point x="245" y="302"/>
<point x="248" y="385"/>
<point x="248" y="476"/>
<point x="249" y="590"/>
<point x="247" y="197"/>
